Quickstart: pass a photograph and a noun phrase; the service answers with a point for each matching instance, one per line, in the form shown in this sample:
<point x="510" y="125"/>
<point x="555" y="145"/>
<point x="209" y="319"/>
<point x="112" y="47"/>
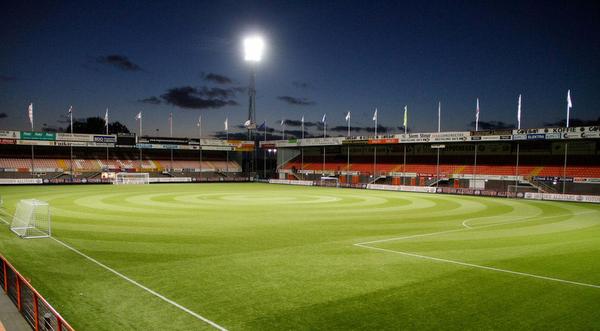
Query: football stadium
<point x="311" y="222"/>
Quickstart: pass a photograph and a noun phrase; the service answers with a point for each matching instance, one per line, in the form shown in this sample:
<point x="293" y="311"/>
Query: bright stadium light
<point x="253" y="48"/>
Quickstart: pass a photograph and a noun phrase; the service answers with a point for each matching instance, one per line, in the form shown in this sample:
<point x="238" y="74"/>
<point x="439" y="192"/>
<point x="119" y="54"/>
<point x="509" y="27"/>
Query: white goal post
<point x="31" y="219"/>
<point x="330" y="181"/>
<point x="131" y="178"/>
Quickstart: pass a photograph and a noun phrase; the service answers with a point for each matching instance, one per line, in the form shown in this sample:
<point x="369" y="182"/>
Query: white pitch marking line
<point x="160" y="296"/>
<point x="364" y="245"/>
<point x="518" y="220"/>
<point x="479" y="266"/>
<point x="156" y="294"/>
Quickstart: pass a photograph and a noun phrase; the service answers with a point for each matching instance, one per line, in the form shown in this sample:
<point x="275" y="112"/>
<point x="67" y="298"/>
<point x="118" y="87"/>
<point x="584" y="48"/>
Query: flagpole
<point x="476" y="145"/>
<point x="139" y="141"/>
<point x="106" y="124"/>
<point x="375" y="147"/>
<point x="324" y="136"/>
<point x="265" y="153"/>
<point x="171" y="136"/>
<point x="32" y="147"/>
<point x="200" y="143"/>
<point x="518" y="147"/>
<point x="302" y="149"/>
<point x="71" y="142"/>
<point x="405" y="131"/>
<point x="348" y="160"/>
<point x="227" y="138"/>
<point x="437" y="164"/>
<point x="569" y="105"/>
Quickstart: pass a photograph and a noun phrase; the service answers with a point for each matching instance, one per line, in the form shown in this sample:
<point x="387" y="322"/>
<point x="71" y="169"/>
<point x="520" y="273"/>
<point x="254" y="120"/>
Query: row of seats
<point x="98" y="165"/>
<point x="452" y="169"/>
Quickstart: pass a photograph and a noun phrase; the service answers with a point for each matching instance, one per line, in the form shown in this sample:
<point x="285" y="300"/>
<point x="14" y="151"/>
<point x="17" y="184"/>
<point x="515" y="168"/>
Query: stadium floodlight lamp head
<point x="254" y="47"/>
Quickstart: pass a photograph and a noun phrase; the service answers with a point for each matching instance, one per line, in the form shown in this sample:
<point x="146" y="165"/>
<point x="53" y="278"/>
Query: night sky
<point x="322" y="57"/>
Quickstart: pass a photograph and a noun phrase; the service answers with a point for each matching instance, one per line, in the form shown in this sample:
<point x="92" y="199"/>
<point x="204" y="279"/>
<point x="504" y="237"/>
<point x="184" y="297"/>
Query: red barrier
<point x="34" y="308"/>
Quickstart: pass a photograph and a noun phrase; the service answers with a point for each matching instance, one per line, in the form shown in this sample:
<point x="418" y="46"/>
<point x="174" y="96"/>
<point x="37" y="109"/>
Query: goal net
<point x="330" y="181"/>
<point x="31" y="219"/>
<point x="131" y="178"/>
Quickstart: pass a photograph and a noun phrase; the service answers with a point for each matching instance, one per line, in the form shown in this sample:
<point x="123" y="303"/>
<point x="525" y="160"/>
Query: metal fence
<point x="34" y="308"/>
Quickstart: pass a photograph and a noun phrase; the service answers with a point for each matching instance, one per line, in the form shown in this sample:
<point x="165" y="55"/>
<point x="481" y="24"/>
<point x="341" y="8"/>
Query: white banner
<point x="74" y="137"/>
<point x="403" y="188"/>
<point x="291" y="182"/>
<point x="563" y="197"/>
<point x="12" y="181"/>
<point x="10" y="134"/>
<point x="169" y="179"/>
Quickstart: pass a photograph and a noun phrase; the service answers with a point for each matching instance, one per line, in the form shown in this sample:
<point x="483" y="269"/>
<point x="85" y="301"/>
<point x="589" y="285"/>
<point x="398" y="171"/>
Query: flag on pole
<point x="519" y="113"/>
<point x="375" y="115"/>
<point x="348" y="117"/>
<point x="302" y="120"/>
<point x="282" y="122"/>
<point x="199" y="121"/>
<point x="226" y="125"/>
<point x="405" y="123"/>
<point x="262" y="126"/>
<point x="324" y="119"/>
<point x="71" y="117"/>
<point x="477" y="116"/>
<point x="247" y="123"/>
<point x="138" y="116"/>
<point x="569" y="106"/>
<point x="106" y="118"/>
<point x="30" y="114"/>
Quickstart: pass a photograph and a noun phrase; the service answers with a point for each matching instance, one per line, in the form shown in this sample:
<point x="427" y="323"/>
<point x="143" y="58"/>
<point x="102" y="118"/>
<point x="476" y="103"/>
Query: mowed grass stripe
<point x="256" y="256"/>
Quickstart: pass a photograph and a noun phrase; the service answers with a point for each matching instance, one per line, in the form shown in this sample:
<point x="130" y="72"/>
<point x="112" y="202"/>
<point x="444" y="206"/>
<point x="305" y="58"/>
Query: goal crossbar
<point x="122" y="178"/>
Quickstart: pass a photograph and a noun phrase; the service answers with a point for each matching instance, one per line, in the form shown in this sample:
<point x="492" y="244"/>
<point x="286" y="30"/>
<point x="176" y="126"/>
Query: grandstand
<point x="412" y="159"/>
<point x="95" y="155"/>
<point x="483" y="160"/>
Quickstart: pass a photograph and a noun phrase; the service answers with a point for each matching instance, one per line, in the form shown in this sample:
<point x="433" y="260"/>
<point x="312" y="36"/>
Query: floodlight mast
<point x="253" y="51"/>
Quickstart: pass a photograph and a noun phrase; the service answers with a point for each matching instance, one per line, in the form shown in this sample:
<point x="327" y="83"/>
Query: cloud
<point x="151" y="100"/>
<point x="300" y="84"/>
<point x="344" y="128"/>
<point x="200" y="98"/>
<point x="493" y="125"/>
<point x="296" y="101"/>
<point x="217" y="92"/>
<point x="118" y="61"/>
<point x="574" y="122"/>
<point x="380" y="129"/>
<point x="216" y="78"/>
<point x="298" y="123"/>
<point x="3" y="115"/>
<point x="6" y="78"/>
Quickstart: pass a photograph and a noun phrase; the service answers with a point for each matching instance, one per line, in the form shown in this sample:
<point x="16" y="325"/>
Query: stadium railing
<point x="36" y="311"/>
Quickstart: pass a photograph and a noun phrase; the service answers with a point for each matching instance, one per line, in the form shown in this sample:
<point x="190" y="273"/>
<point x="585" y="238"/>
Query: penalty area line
<point x="465" y="264"/>
<point x="156" y="294"/>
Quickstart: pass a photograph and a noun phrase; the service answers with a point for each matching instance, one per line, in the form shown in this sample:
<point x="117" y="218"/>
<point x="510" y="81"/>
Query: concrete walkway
<point x="10" y="318"/>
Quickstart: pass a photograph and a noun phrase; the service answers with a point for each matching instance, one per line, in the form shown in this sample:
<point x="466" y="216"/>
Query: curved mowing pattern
<point x="256" y="256"/>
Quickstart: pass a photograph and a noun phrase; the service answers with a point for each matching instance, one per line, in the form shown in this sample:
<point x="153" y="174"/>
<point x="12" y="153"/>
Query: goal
<point x="31" y="219"/>
<point x="330" y="181"/>
<point x="131" y="178"/>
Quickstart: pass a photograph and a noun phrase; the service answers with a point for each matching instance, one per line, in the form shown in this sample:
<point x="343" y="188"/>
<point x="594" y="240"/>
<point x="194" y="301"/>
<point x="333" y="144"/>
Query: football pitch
<point x="276" y="257"/>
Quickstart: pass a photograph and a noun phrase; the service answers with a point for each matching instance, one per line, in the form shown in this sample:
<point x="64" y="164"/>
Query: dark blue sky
<point x="328" y="56"/>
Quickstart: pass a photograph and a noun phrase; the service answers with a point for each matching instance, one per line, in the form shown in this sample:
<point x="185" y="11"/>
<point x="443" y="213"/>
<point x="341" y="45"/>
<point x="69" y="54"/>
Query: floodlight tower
<point x="253" y="51"/>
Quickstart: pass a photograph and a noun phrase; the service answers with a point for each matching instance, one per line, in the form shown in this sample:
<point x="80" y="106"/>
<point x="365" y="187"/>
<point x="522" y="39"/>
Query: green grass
<point x="273" y="257"/>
